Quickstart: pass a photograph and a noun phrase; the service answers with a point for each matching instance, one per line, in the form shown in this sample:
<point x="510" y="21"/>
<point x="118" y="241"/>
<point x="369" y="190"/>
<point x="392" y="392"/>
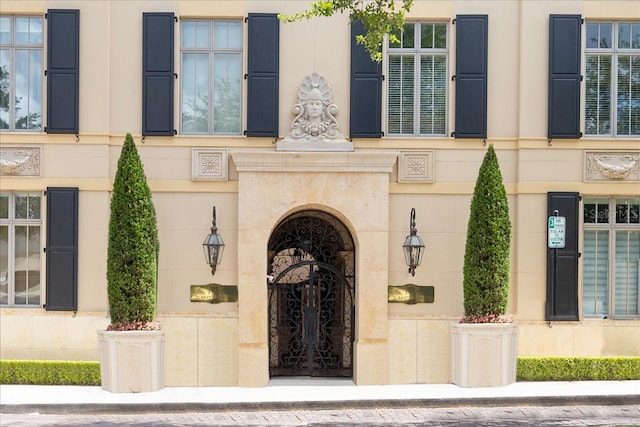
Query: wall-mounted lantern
<point x="413" y="246"/>
<point x="213" y="246"/>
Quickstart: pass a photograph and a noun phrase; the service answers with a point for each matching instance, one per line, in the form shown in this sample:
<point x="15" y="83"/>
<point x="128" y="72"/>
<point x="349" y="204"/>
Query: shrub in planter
<point x="486" y="259"/>
<point x="132" y="347"/>
<point x="484" y="344"/>
<point x="133" y="246"/>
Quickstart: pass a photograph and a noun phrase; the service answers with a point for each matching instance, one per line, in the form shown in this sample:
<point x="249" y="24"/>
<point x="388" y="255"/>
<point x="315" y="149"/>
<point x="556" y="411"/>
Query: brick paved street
<point x="616" y="415"/>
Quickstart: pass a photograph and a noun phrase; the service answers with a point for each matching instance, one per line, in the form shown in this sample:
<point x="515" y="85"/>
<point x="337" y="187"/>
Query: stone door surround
<point x="353" y="186"/>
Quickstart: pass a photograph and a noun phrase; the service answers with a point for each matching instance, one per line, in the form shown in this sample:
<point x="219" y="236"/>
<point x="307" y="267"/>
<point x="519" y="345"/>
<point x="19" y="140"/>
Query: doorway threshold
<point x="309" y="381"/>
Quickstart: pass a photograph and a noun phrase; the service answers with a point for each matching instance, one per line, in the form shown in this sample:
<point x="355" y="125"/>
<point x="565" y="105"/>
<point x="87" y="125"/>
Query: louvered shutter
<point x="564" y="76"/>
<point x="366" y="90"/>
<point x="562" y="263"/>
<point x="263" y="74"/>
<point x="63" y="70"/>
<point x="157" y="74"/>
<point x="62" y="249"/>
<point x="471" y="76"/>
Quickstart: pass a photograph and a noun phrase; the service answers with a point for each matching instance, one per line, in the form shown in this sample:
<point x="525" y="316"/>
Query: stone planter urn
<point x="131" y="361"/>
<point x="484" y="354"/>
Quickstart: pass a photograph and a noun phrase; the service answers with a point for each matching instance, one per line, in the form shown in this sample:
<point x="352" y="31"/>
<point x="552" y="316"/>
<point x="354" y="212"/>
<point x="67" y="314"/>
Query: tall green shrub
<point x="133" y="246"/>
<point x="486" y="258"/>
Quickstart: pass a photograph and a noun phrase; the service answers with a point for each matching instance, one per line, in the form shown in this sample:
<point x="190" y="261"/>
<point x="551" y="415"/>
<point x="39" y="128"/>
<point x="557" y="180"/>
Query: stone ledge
<point x="293" y="161"/>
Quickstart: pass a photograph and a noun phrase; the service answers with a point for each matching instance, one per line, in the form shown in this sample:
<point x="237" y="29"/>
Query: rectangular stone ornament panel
<point x="20" y="161"/>
<point x="209" y="164"/>
<point x="612" y="166"/>
<point x="415" y="166"/>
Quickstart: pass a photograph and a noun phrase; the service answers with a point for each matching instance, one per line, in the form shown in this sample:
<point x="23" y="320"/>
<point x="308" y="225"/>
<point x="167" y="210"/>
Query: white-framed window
<point x="612" y="104"/>
<point x="21" y="73"/>
<point x="20" y="248"/>
<point x="417" y="80"/>
<point x="611" y="257"/>
<point x="211" y="77"/>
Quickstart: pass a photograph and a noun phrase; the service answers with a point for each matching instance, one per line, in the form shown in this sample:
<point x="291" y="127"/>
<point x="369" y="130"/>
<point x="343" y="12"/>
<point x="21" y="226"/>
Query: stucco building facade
<point x="208" y="90"/>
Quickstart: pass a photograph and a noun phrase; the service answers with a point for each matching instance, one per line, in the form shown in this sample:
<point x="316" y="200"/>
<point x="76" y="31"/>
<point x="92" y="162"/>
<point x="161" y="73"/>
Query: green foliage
<point x="486" y="258"/>
<point x="379" y="17"/>
<point x="578" y="368"/>
<point x="133" y="243"/>
<point x="48" y="372"/>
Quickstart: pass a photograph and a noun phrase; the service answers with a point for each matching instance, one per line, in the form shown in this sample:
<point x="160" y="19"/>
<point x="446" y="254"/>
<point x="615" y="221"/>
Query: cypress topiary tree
<point x="486" y="258"/>
<point x="133" y="246"/>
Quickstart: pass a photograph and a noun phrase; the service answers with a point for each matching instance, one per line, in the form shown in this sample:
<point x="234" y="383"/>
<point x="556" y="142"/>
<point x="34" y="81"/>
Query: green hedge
<point x="578" y="368"/>
<point x="49" y="372"/>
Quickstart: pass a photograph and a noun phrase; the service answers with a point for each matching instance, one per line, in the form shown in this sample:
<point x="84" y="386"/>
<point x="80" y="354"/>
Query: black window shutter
<point x="564" y="76"/>
<point x="562" y="263"/>
<point x="472" y="33"/>
<point x="62" y="249"/>
<point x="365" y="116"/>
<point x="263" y="66"/>
<point x="157" y="74"/>
<point x="63" y="70"/>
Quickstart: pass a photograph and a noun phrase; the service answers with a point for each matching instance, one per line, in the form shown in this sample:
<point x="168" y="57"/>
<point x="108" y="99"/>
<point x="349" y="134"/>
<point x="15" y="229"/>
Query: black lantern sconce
<point x="213" y="246"/>
<point x="413" y="246"/>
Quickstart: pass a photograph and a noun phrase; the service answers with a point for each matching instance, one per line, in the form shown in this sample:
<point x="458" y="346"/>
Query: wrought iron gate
<point x="311" y="297"/>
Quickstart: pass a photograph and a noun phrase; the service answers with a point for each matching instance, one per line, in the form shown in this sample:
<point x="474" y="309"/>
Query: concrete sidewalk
<point x="314" y="394"/>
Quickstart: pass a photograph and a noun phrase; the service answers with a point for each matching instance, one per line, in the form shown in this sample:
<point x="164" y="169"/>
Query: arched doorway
<point x="311" y="283"/>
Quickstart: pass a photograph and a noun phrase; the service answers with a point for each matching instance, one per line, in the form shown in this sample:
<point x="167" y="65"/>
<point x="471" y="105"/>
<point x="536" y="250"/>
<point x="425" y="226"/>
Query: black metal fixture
<point x="413" y="245"/>
<point x="213" y="246"/>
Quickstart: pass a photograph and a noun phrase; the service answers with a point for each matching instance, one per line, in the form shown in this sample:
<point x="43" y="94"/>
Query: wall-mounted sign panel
<point x="556" y="231"/>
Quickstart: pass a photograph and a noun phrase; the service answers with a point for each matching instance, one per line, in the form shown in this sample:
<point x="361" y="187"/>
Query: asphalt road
<point x="539" y="416"/>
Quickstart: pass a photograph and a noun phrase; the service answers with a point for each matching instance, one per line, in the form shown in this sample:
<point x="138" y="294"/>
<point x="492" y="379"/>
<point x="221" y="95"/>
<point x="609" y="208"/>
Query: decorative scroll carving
<point x="619" y="166"/>
<point x="314" y="127"/>
<point x="20" y="161"/>
<point x="415" y="166"/>
<point x="209" y="164"/>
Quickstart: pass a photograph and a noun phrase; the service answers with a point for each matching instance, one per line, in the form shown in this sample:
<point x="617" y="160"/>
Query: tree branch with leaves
<point x="379" y="17"/>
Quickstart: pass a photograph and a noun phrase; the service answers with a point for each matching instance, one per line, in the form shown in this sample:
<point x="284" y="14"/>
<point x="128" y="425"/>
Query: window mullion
<point x="417" y="80"/>
<point x="12" y="88"/>
<point x="417" y="86"/>
<point x="12" y="251"/>
<point x="612" y="258"/>
<point x="614" y="93"/>
<point x="210" y="89"/>
<point x="11" y="270"/>
<point x="29" y="89"/>
<point x="433" y="94"/>
<point x="614" y="84"/>
<point x="627" y="282"/>
<point x="597" y="131"/>
<point x="211" y="79"/>
<point x="10" y="47"/>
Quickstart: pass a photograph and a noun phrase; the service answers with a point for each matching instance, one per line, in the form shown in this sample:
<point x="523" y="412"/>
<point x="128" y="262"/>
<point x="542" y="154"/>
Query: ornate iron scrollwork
<point x="311" y="297"/>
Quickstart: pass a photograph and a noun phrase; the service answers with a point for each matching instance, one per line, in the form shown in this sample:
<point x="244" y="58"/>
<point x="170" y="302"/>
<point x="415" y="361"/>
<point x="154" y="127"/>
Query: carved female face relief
<point x="315" y="120"/>
<point x="314" y="109"/>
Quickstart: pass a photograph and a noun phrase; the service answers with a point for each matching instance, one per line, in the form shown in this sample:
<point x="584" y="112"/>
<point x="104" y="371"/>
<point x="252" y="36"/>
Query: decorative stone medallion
<point x="612" y="166"/>
<point x="415" y="166"/>
<point x="20" y="161"/>
<point x="209" y="164"/>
